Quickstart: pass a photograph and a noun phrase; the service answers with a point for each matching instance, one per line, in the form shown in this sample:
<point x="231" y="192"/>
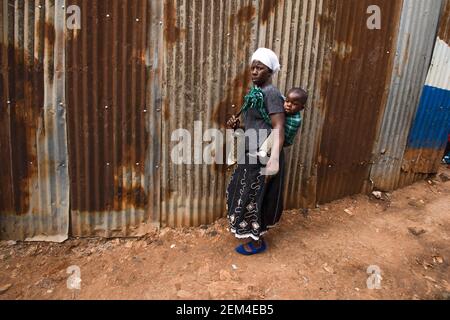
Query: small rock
<point x="416" y="203"/>
<point x="430" y="279"/>
<point x="305" y="212"/>
<point x="377" y="194"/>
<point x="349" y="212"/>
<point x="416" y="231"/>
<point x="129" y="245"/>
<point x="163" y="232"/>
<point x="50" y="291"/>
<point x="444" y="177"/>
<point x="234" y="267"/>
<point x="172" y="246"/>
<point x="11" y="243"/>
<point x="5" y="288"/>
<point x="328" y="268"/>
<point x="438" y="259"/>
<point x="357" y="289"/>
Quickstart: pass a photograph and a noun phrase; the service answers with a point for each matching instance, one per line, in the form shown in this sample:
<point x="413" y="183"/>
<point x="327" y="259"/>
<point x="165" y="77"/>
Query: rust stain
<point x="444" y="29"/>
<point x="325" y="19"/>
<point x="342" y="50"/>
<point x="133" y="196"/>
<point x="24" y="78"/>
<point x="166" y="110"/>
<point x="50" y="36"/>
<point x="108" y="136"/>
<point x="234" y="96"/>
<point x="268" y="7"/>
<point x="238" y="86"/>
<point x="172" y="33"/>
<point x="405" y="59"/>
<point x="355" y="97"/>
<point x="425" y="160"/>
<point x="243" y="16"/>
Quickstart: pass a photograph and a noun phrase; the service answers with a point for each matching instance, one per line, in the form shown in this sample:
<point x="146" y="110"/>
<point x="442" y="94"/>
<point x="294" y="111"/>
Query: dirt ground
<point x="320" y="254"/>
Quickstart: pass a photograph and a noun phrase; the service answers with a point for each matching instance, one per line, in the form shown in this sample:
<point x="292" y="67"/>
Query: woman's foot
<point x="251" y="248"/>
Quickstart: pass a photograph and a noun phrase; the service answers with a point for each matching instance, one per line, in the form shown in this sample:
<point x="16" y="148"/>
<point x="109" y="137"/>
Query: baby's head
<point x="295" y="100"/>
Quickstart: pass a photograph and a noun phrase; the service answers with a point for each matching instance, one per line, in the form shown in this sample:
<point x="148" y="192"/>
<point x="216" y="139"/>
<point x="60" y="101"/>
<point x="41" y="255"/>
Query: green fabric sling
<point x="255" y="99"/>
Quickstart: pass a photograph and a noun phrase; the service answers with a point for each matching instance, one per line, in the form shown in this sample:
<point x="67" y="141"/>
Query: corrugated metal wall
<point x="412" y="58"/>
<point x="113" y="81"/>
<point x="428" y="137"/>
<point x="34" y="196"/>
<point x="355" y="98"/>
<point x="138" y="70"/>
<point x="207" y="46"/>
<point x="309" y="68"/>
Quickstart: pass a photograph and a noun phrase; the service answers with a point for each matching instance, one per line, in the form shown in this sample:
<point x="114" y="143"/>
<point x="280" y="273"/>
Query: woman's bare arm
<point x="278" y="122"/>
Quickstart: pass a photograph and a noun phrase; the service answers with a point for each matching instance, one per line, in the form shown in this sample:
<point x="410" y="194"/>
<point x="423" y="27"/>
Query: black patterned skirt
<point x="253" y="205"/>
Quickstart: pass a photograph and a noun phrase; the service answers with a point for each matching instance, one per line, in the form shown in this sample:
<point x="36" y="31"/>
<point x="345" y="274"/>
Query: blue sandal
<point x="244" y="252"/>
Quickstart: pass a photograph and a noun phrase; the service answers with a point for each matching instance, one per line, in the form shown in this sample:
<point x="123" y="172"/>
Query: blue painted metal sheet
<point x="428" y="135"/>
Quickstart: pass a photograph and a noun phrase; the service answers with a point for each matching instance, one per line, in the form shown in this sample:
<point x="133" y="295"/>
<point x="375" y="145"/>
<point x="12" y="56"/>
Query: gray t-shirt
<point x="274" y="103"/>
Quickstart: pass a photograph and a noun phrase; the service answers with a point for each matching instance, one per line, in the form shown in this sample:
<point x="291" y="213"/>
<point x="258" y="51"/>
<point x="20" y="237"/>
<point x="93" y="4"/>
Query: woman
<point x="254" y="202"/>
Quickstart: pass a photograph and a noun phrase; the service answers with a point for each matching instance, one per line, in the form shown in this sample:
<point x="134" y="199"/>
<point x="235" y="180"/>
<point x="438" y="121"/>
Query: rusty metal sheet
<point x="113" y="71"/>
<point x="356" y="96"/>
<point x="413" y="56"/>
<point x="428" y="137"/>
<point x="444" y="23"/>
<point x="207" y="48"/>
<point x="34" y="177"/>
<point x="138" y="70"/>
<point x="429" y="134"/>
<point x="306" y="64"/>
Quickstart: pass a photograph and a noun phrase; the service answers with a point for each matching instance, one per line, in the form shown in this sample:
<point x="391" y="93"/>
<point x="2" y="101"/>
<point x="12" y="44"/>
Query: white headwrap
<point x="268" y="58"/>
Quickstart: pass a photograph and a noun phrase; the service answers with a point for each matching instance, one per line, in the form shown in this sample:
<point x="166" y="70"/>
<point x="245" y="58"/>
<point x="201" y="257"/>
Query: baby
<point x="295" y="102"/>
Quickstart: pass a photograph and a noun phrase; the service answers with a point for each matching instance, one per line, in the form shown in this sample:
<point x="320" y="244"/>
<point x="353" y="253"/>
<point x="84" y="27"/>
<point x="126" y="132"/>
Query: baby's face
<point x="293" y="103"/>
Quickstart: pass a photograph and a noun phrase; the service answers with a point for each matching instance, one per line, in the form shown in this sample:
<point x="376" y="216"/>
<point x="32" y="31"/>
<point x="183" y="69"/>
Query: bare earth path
<point x="322" y="255"/>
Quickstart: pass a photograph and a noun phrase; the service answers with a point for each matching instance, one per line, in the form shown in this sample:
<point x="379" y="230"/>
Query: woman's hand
<point x="272" y="168"/>
<point x="233" y="122"/>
